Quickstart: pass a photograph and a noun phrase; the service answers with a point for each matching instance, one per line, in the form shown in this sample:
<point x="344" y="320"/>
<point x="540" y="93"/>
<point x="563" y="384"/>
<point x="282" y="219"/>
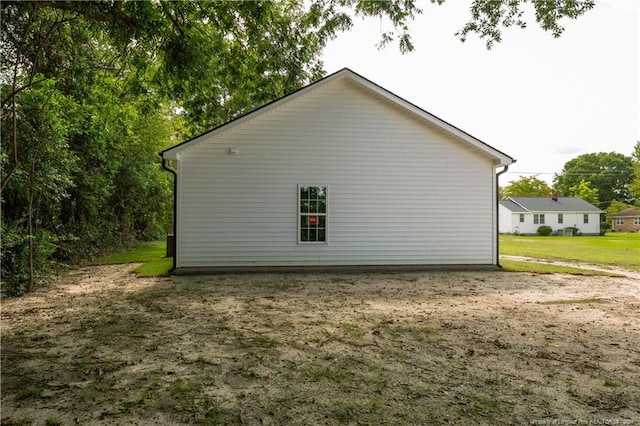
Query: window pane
<point x="312" y="213"/>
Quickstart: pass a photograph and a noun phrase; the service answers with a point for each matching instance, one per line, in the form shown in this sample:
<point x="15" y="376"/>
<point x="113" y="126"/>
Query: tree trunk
<point x="30" y="230"/>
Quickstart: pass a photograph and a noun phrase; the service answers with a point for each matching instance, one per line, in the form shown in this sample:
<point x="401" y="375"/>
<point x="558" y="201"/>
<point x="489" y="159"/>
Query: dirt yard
<point x="105" y="347"/>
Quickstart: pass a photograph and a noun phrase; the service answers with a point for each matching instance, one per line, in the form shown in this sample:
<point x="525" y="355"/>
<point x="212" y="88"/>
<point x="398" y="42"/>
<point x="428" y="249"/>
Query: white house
<point x="524" y="215"/>
<point x="340" y="172"/>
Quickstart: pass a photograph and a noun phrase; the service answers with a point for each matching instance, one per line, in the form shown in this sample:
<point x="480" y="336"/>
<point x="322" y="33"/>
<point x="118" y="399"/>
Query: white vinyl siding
<point x="400" y="189"/>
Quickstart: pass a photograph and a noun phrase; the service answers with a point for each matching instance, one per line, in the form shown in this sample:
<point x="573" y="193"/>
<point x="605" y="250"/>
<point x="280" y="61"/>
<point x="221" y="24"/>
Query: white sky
<point x="539" y="99"/>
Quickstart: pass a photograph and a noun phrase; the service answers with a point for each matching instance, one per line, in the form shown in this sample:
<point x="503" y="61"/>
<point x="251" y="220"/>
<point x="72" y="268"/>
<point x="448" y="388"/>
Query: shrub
<point x="545" y="230"/>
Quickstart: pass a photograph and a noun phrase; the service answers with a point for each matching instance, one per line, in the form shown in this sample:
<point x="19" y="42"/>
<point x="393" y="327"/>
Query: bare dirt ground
<point x="105" y="347"/>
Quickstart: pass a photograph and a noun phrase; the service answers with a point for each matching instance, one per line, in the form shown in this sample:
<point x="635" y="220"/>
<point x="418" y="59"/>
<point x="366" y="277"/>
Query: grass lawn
<point x="547" y="268"/>
<point x="151" y="254"/>
<point x="610" y="250"/>
<point x="616" y="249"/>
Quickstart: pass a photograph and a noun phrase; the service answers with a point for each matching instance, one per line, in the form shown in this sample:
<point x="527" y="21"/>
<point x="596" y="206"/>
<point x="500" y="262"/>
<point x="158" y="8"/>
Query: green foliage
<point x="608" y="172"/>
<point x="544" y="230"/>
<point x="488" y="17"/>
<point x="527" y="187"/>
<point x="584" y="190"/>
<point x="634" y="186"/>
<point x="616" y="207"/>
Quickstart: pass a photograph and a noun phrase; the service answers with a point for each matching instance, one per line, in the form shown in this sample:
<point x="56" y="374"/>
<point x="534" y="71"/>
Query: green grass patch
<point x="618" y="249"/>
<point x="151" y="254"/>
<point x="549" y="268"/>
<point x="143" y="252"/>
<point x="155" y="268"/>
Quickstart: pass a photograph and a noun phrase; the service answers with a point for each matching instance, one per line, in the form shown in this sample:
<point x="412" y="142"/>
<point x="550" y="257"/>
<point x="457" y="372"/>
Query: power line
<point x="573" y="173"/>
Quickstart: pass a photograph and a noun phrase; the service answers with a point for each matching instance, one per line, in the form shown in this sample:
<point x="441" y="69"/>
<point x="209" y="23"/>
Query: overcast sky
<point x="539" y="99"/>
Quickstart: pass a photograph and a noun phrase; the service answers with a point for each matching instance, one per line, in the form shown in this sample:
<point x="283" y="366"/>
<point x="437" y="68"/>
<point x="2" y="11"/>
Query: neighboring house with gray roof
<point x="627" y="220"/>
<point x="524" y="215"/>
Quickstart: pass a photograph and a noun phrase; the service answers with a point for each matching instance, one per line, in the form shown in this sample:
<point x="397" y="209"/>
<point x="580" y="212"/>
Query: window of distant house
<point x="538" y="219"/>
<point x="560" y="218"/>
<point x="636" y="220"/>
<point x="585" y="218"/>
<point x="312" y="206"/>
<point x="619" y="221"/>
<point x="521" y="218"/>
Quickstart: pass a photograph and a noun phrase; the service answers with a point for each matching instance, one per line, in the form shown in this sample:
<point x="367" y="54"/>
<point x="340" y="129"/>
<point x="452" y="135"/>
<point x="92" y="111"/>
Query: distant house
<point x="626" y="221"/>
<point x="524" y="215"/>
<point x="340" y="173"/>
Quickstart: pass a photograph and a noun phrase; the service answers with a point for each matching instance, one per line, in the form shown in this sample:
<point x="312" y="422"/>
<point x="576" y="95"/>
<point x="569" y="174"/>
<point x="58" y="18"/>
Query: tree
<point x="489" y="17"/>
<point x="584" y="190"/>
<point x="527" y="187"/>
<point x="33" y="200"/>
<point x="608" y="172"/>
<point x="634" y="186"/>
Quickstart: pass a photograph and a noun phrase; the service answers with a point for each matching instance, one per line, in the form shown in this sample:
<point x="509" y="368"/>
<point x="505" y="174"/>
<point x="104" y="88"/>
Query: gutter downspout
<point x="497" y="215"/>
<point x="175" y="212"/>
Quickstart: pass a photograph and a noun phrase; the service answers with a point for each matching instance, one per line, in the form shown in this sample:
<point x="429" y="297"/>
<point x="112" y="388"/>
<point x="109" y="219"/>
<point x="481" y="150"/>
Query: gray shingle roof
<point x="513" y="206"/>
<point x="547" y="204"/>
<point x="630" y="212"/>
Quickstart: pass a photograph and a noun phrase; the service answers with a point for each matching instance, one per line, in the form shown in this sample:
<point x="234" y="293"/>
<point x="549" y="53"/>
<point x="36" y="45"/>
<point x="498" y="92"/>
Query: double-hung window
<point x="538" y="219"/>
<point x="560" y="218"/>
<point x="312" y="213"/>
<point x="521" y="217"/>
<point x="585" y="218"/>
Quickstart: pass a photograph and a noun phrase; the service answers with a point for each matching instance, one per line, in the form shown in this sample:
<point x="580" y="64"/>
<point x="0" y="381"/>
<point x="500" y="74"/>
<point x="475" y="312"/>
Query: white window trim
<point x="326" y="217"/>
